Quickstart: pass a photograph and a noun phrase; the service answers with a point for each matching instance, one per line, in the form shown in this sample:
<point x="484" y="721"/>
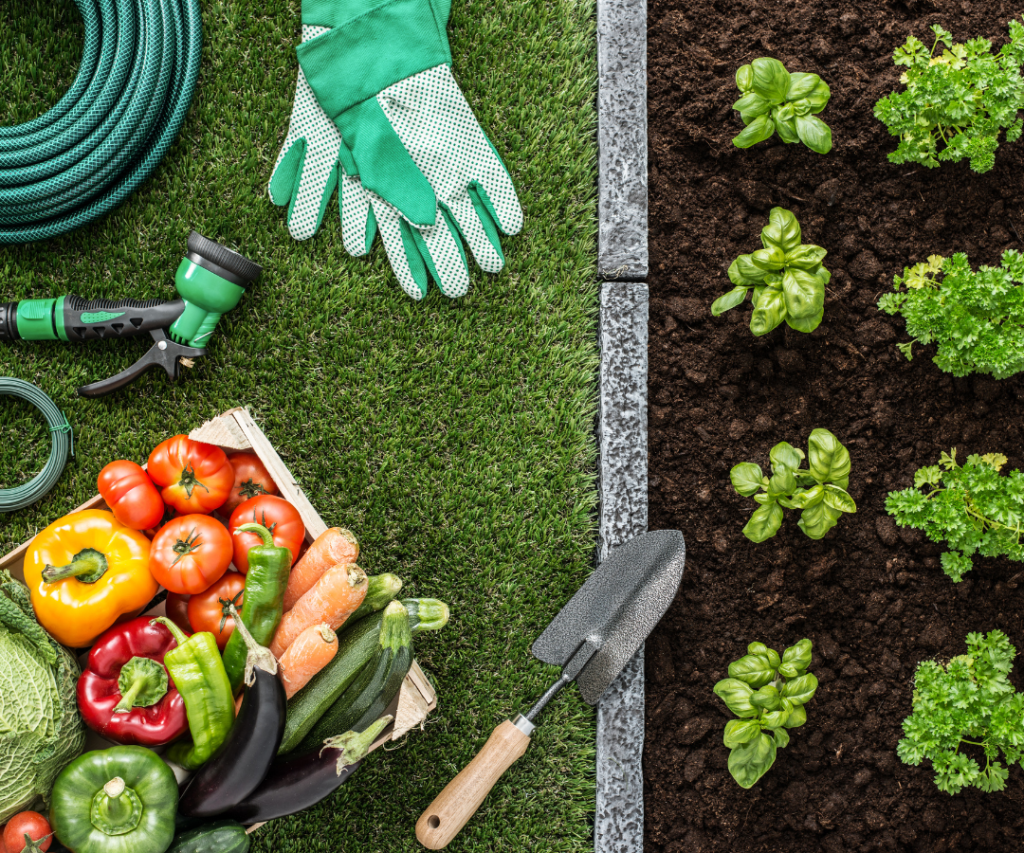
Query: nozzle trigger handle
<point x="164" y="353"/>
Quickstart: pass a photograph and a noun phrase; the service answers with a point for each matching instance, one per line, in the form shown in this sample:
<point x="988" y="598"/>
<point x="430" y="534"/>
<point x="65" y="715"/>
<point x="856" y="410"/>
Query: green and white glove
<point x="304" y="179"/>
<point x="383" y="75"/>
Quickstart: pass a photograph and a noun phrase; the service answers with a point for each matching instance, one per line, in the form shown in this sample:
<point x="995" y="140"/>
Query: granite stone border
<point x="622" y="263"/>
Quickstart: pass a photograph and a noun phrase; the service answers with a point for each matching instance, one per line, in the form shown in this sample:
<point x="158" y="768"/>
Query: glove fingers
<point x="480" y="233"/>
<point x="358" y="224"/>
<point x="405" y="258"/>
<point x="317" y="180"/>
<point x="443" y="253"/>
<point x="286" y="171"/>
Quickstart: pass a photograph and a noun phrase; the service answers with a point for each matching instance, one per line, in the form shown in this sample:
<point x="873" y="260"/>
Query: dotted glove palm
<point x="383" y="75"/>
<point x="305" y="176"/>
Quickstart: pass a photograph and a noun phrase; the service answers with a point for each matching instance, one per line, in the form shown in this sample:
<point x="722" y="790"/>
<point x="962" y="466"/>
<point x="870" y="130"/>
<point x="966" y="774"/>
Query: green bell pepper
<point x="118" y="800"/>
<point x="263" y="603"/>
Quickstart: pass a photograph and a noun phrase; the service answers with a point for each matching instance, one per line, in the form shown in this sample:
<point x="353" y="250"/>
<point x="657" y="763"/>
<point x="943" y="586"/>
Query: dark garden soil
<point x="871" y="597"/>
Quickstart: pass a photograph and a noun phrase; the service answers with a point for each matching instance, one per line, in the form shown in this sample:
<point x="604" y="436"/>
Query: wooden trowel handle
<point x="460" y="799"/>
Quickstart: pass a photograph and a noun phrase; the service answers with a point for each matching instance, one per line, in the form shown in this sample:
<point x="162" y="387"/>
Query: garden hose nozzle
<point x="210" y="281"/>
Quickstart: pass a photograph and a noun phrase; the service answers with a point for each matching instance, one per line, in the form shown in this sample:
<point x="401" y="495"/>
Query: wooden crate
<point x="236" y="430"/>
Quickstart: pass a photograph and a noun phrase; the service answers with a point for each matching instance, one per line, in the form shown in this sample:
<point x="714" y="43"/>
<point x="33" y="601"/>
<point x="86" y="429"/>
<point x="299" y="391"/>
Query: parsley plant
<point x="968" y="701"/>
<point x="975" y="318"/>
<point x="956" y="103"/>
<point x="970" y="507"/>
<point x="819" y="489"/>
<point x="768" y="694"/>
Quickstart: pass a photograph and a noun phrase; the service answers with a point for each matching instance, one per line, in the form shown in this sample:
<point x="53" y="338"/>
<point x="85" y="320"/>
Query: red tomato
<point x="251" y="480"/>
<point x="32" y="824"/>
<point x="274" y="513"/>
<point x="177" y="611"/>
<point x="193" y="476"/>
<point x="190" y="553"/>
<point x="131" y="495"/>
<point x="208" y="611"/>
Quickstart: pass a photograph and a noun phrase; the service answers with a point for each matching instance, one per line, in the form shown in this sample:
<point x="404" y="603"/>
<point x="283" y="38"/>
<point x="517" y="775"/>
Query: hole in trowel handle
<point x="433" y="821"/>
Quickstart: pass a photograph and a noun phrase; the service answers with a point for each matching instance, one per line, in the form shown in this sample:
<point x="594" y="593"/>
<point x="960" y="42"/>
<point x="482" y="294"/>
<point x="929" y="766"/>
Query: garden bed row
<point x="872" y="597"/>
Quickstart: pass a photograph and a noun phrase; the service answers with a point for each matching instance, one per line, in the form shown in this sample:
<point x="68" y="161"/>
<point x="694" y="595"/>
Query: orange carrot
<point x="312" y="650"/>
<point x="337" y="545"/>
<point x="333" y="598"/>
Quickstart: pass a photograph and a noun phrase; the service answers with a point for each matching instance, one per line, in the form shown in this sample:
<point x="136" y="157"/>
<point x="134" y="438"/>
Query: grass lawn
<point x="454" y="437"/>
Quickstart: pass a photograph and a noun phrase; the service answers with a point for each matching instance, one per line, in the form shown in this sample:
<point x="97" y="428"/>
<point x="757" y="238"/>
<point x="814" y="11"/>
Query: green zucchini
<point x="380" y="592"/>
<point x="356" y="645"/>
<point x="222" y="836"/>
<point x="374" y="687"/>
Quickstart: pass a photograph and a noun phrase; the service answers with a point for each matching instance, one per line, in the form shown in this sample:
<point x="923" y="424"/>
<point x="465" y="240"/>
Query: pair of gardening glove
<point x="378" y="115"/>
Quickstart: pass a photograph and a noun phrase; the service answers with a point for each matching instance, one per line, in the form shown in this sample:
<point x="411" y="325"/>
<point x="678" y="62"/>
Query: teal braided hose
<point x="63" y="440"/>
<point x="106" y="135"/>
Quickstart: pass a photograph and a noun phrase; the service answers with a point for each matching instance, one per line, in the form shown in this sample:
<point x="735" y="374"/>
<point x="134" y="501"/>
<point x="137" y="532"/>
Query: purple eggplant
<point x="296" y="783"/>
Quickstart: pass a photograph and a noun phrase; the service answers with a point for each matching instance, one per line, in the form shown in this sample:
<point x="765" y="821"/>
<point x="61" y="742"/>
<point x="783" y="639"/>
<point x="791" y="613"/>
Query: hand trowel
<point x="592" y="639"/>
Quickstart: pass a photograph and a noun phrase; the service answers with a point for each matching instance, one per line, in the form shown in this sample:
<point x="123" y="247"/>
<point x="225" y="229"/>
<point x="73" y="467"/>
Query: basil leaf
<point x="818" y="98"/>
<point x="824" y="275"/>
<point x="736" y="696"/>
<point x="806" y="324"/>
<point x="801" y="85"/>
<point x="770" y="79"/>
<point x="757" y="649"/>
<point x="769" y="259"/>
<point x="781" y="737"/>
<point x="746" y="268"/>
<point x="817" y="520"/>
<point x="774" y="719"/>
<point x="809" y="497"/>
<point x="806" y="257"/>
<point x="804" y="294"/>
<point x="767" y="697"/>
<point x="784" y="223"/>
<point x="827" y="459"/>
<point x="739" y="732"/>
<point x="799" y="654"/>
<point x="786" y="455"/>
<point x="838" y="499"/>
<point x="799" y="690"/>
<point x="786" y="128"/>
<point x="752" y="105"/>
<point x="814" y="133"/>
<point x="737" y="277"/>
<point x="749" y="762"/>
<point x="782" y="482"/>
<point x="744" y="78"/>
<point x="760" y="129"/>
<point x="746" y="478"/>
<point x="797" y="717"/>
<point x="764" y="523"/>
<point x="728" y="300"/>
<point x="788" y="670"/>
<point x="773" y="658"/>
<point x="753" y="669"/>
<point x="769" y="311"/>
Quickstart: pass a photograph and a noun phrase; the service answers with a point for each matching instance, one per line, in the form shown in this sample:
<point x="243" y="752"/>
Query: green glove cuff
<point x="364" y="55"/>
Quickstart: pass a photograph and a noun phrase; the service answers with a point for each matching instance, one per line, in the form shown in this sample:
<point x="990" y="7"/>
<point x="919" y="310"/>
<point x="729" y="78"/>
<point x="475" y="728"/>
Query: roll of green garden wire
<point x="106" y="135"/>
<point x="63" y="442"/>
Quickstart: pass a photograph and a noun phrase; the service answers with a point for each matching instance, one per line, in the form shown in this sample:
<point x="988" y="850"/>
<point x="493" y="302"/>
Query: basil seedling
<point x="768" y="694"/>
<point x="970" y="507"/>
<point x="959" y="100"/>
<point x="776" y="100"/>
<point x="786" y="276"/>
<point x="819" y="490"/>
<point x="970" y="700"/>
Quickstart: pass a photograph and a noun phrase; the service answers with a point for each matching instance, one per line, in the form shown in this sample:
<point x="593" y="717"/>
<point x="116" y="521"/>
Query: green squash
<point x="223" y="836"/>
<point x="118" y="800"/>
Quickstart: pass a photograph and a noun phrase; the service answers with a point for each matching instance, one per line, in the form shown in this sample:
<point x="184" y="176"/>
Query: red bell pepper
<point x="125" y="693"/>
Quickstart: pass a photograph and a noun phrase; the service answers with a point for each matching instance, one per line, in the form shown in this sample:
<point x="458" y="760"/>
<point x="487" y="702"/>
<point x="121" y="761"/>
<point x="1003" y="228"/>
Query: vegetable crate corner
<point x="173" y="613"/>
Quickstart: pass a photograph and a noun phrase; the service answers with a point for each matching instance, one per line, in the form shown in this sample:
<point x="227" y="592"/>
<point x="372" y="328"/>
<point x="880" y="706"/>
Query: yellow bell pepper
<point x="84" y="572"/>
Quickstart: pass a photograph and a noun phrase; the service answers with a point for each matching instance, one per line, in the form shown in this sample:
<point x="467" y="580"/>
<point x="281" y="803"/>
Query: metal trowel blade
<point x="616" y="608"/>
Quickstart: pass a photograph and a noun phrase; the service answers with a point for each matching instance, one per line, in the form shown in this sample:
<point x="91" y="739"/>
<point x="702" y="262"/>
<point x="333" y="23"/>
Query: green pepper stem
<point x="142" y="682"/>
<point x="259" y="530"/>
<point x="114" y="788"/>
<point x="88" y="565"/>
<point x="257" y="655"/>
<point x="179" y="636"/>
<point x="116" y="809"/>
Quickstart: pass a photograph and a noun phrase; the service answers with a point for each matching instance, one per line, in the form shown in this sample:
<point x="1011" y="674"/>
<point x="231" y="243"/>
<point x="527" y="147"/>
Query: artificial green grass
<point x="455" y="437"/>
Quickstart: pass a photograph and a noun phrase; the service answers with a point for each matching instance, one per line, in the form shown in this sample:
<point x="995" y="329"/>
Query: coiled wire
<point x="63" y="442"/>
<point x="86" y="155"/>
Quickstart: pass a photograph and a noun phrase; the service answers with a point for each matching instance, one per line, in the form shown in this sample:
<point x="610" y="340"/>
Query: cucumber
<point x="356" y="646"/>
<point x="222" y="836"/>
<point x="377" y="683"/>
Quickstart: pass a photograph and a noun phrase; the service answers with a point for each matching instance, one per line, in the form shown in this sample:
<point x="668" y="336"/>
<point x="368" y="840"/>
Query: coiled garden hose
<point x="107" y="134"/>
<point x="63" y="442"/>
